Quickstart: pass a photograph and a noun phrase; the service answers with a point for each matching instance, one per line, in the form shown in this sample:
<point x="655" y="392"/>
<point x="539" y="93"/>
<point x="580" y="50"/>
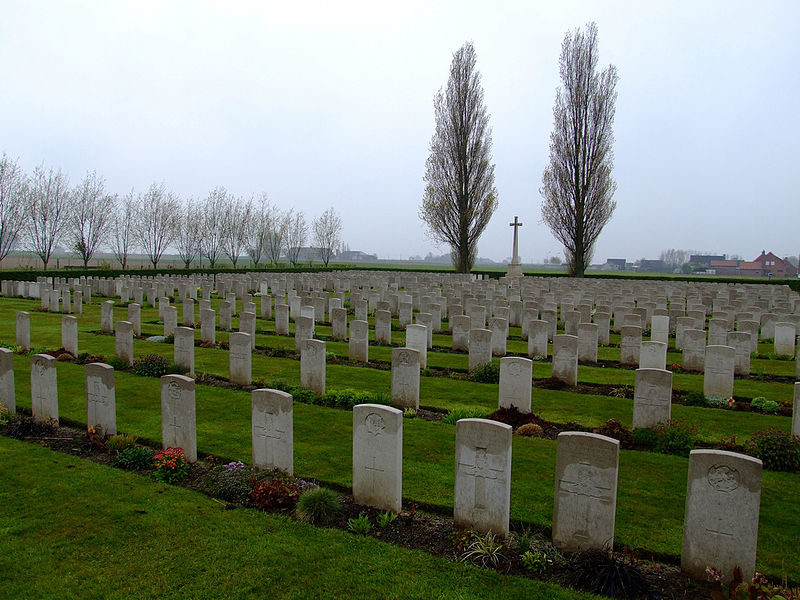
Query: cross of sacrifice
<point x="516" y="225"/>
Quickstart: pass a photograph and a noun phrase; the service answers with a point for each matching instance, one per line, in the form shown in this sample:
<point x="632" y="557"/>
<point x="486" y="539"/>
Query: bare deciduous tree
<point x="91" y="216"/>
<point x="577" y="184"/>
<point x="213" y="208"/>
<point x="154" y="222"/>
<point x="235" y="226"/>
<point x="188" y="232"/>
<point x="48" y="211"/>
<point x="674" y="258"/>
<point x="296" y="233"/>
<point x="259" y="230"/>
<point x="460" y="196"/>
<point x="122" y="238"/>
<point x="277" y="226"/>
<point x="13" y="204"/>
<point x="327" y="234"/>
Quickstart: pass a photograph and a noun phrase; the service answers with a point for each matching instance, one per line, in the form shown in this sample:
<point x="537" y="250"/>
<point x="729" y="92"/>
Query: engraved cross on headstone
<point x="373" y="471"/>
<point x="270" y="431"/>
<point x="481" y="471"/>
<point x="584" y="490"/>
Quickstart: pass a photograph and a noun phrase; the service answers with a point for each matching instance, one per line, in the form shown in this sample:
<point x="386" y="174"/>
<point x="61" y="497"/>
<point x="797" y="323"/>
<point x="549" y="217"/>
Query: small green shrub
<point x="409" y="413"/>
<point x="359" y="524"/>
<point x="765" y="406"/>
<point x="346" y="398"/>
<point x="383" y="519"/>
<point x="119" y="364"/>
<point x="645" y="437"/>
<point x="614" y="429"/>
<point x="695" y="399"/>
<point x="457" y="414"/>
<point x="675" y="438"/>
<point x="536" y="561"/>
<point x="170" y="465"/>
<point x="175" y="369"/>
<point x="488" y="373"/>
<point x="304" y="396"/>
<point x="719" y="402"/>
<point x="137" y="458"/>
<point x="118" y="443"/>
<point x="530" y="430"/>
<point x="318" y="505"/>
<point x="5" y="416"/>
<point x="151" y="365"/>
<point x="525" y="540"/>
<point x="777" y="449"/>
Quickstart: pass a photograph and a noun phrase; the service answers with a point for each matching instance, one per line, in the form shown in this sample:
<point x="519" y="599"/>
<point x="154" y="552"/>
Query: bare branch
<point x="577" y="184"/>
<point x="154" y="224"/>
<point x="460" y="196"/>
<point x="13" y="204"/>
<point x="92" y="216"/>
<point x="122" y="237"/>
<point x="48" y="205"/>
<point x="327" y="234"/>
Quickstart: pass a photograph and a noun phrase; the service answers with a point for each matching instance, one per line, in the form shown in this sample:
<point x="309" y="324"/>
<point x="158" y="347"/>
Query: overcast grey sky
<point x="331" y="103"/>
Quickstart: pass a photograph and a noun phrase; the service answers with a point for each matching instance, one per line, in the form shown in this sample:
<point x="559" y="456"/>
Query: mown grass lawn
<point x="75" y="529"/>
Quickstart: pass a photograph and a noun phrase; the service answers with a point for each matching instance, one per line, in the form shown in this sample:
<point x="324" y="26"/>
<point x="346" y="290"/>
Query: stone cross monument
<point x="514" y="268"/>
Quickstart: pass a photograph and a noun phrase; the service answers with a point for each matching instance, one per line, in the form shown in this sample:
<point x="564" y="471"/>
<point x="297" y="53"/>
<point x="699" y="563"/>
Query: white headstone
<point x="516" y="375"/>
<point x="483" y="475"/>
<point x="183" y="348"/>
<point x="101" y="408"/>
<point x="178" y="426"/>
<point x="135" y="318"/>
<point x="23" y="333"/>
<point x="405" y="378"/>
<point x="480" y="348"/>
<point x="378" y="456"/>
<point x="7" y="394"/>
<point x="312" y="365"/>
<point x="653" y="355"/>
<point x="69" y="334"/>
<point x="107" y="317"/>
<point x="124" y="341"/>
<point x="272" y="430"/>
<point x="652" y="399"/>
<point x="240" y="358"/>
<point x="358" y="344"/>
<point x="44" y="387"/>
<point x="720" y="528"/>
<point x="565" y="359"/>
<point x="417" y="339"/>
<point x="585" y="505"/>
<point x="718" y="375"/>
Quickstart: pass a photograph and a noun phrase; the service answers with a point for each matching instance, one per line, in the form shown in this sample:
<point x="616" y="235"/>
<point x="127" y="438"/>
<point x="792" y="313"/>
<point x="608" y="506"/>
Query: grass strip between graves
<point x="75" y="529"/>
<point x="652" y="487"/>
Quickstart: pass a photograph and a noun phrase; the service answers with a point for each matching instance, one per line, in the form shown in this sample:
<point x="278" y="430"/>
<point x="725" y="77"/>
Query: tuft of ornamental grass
<point x="318" y="505"/>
